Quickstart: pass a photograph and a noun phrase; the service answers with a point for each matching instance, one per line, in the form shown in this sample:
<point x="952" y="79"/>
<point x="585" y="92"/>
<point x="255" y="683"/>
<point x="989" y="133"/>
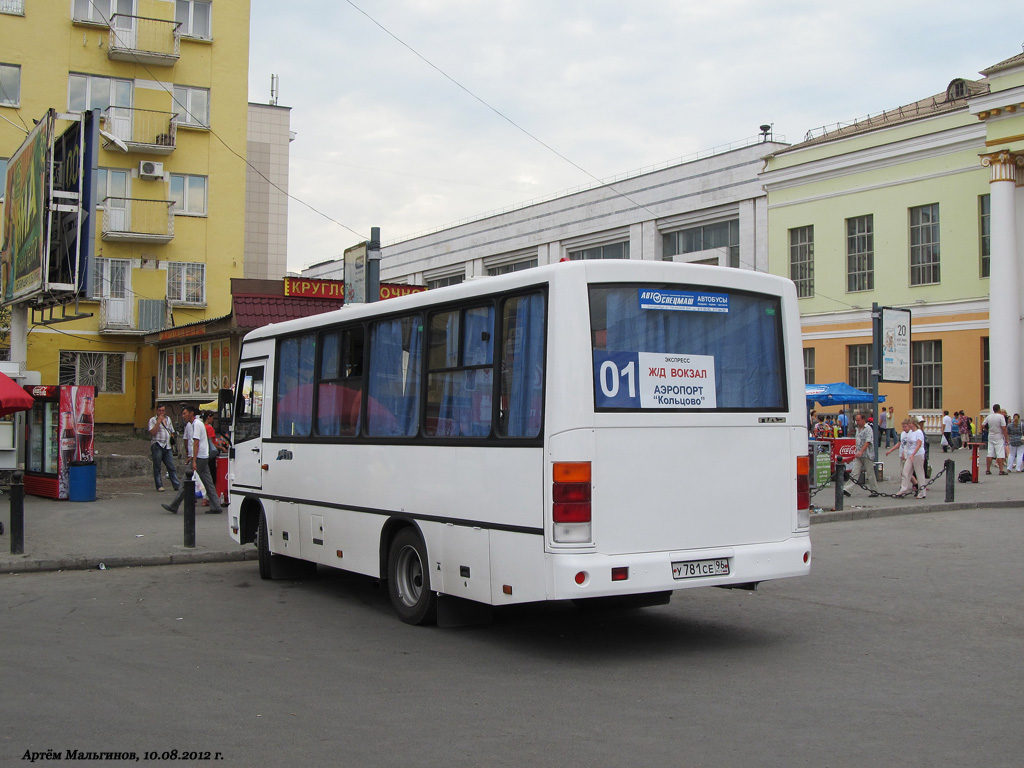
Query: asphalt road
<point x="903" y="648"/>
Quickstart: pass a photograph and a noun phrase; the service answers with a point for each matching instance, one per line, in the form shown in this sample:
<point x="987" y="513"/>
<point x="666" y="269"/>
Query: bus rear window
<point x="677" y="347"/>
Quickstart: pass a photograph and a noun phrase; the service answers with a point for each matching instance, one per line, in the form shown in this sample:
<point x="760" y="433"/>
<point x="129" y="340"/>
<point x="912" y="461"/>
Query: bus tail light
<point x="570" y="497"/>
<point x="803" y="491"/>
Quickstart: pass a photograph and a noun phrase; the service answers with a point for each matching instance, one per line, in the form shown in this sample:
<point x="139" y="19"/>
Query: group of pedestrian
<point x="201" y="451"/>
<point x="957" y="430"/>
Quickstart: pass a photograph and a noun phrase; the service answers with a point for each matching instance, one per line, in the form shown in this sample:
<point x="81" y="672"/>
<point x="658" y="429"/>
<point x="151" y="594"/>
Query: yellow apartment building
<point x="170" y="79"/>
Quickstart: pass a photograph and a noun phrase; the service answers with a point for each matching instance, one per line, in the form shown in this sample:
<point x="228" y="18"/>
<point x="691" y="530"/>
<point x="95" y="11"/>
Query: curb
<point x="28" y="565"/>
<point x="866" y="513"/>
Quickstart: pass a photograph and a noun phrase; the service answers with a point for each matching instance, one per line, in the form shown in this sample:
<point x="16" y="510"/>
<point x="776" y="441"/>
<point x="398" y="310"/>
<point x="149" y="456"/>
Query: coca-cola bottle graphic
<point x="84" y="427"/>
<point x="68" y="439"/>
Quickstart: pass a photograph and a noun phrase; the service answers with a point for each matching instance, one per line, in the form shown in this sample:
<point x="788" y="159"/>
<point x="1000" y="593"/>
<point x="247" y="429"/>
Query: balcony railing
<point x="132" y="316"/>
<point x="143" y="130"/>
<point x="131" y="220"/>
<point x="145" y="40"/>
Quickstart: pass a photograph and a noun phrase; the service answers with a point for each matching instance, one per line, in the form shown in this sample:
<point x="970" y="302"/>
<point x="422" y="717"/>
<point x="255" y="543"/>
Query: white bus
<point x="599" y="429"/>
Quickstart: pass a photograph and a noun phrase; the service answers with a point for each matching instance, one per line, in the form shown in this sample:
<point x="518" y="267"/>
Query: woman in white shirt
<point x="914" y="460"/>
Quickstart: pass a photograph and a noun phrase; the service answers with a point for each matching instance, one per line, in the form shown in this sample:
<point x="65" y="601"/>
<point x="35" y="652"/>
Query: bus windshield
<point x="686" y="347"/>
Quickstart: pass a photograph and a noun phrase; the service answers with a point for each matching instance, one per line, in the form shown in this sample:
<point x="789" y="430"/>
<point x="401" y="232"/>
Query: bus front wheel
<point x="263" y="547"/>
<point x="409" y="579"/>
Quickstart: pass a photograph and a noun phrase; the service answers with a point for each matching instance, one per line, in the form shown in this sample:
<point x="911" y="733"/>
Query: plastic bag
<point x="200" y="488"/>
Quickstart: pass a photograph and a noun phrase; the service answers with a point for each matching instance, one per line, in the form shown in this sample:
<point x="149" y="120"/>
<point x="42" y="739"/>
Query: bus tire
<point x="409" y="579"/>
<point x="263" y="547"/>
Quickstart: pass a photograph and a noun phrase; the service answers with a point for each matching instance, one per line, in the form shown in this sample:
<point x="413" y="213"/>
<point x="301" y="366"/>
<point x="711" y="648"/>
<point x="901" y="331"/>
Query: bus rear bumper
<point x="575" y="576"/>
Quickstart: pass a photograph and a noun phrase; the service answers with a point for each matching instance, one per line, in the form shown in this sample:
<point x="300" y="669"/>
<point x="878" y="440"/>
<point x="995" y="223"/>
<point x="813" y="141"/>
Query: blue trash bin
<point x="82" y="481"/>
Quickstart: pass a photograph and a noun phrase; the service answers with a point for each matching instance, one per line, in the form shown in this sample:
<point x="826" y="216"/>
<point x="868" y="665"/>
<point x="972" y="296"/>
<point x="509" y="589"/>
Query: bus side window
<point x="460" y="373"/>
<point x="522" y="366"/>
<point x="339" y="389"/>
<point x="293" y="390"/>
<point x="393" y="384"/>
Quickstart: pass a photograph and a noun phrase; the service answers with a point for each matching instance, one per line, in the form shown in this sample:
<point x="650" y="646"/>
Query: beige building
<point x="266" y="192"/>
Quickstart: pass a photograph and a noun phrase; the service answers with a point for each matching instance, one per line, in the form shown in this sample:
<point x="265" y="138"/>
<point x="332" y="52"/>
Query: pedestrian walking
<point x="1015" y="431"/>
<point x="198" y="446"/>
<point x="864" y="455"/>
<point x="161" y="434"/>
<point x="998" y="439"/>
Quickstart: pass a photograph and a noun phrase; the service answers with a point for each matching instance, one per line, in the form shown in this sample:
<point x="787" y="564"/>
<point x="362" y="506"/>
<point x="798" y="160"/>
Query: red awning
<point x="13" y="398"/>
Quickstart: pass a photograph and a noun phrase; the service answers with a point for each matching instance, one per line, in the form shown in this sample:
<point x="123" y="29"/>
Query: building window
<point x="13" y="7"/>
<point x="192" y="106"/>
<point x="188" y="194"/>
<point x="725" y="234"/>
<point x="613" y="251"/>
<point x="516" y="266"/>
<point x="194" y="17"/>
<point x="111" y="183"/>
<point x="103" y="370"/>
<point x="926" y="374"/>
<point x="195" y="370"/>
<point x="858" y="373"/>
<point x="985" y="208"/>
<point x="10" y="85"/>
<point x="809" y="365"/>
<point x="110" y="278"/>
<point x="985" y="382"/>
<point x="94" y="92"/>
<point x="801" y="260"/>
<point x="441" y="282"/>
<point x="924" y="244"/>
<point x="186" y="282"/>
<point x="860" y="253"/>
<point x="3" y="176"/>
<point x="100" y="11"/>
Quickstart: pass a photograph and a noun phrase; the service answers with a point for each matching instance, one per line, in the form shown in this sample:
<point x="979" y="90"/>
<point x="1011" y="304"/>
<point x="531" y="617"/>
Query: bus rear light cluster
<point x="803" y="491"/>
<point x="570" y="501"/>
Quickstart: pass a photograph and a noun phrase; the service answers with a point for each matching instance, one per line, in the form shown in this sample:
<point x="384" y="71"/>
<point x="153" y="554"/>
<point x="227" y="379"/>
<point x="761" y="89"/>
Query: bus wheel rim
<point x="410" y="576"/>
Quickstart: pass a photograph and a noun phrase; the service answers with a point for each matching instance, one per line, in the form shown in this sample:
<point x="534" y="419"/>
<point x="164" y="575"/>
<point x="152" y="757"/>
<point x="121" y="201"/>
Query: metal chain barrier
<point x="901" y="495"/>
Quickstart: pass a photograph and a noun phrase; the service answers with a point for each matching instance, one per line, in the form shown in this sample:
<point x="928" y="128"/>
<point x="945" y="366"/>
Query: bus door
<point x="247" y="468"/>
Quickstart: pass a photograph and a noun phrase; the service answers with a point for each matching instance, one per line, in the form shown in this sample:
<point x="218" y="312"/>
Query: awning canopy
<point x="13" y="398"/>
<point x="839" y="393"/>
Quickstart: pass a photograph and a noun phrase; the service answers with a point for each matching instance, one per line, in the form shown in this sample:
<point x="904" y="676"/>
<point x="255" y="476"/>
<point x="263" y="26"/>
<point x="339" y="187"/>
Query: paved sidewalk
<point x="126" y="526"/>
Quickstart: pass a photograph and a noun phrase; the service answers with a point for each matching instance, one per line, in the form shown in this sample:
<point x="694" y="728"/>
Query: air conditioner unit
<point x="150" y="170"/>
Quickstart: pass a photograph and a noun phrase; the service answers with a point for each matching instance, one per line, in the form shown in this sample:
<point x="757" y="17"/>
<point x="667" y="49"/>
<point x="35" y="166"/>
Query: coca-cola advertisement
<point x="59" y="432"/>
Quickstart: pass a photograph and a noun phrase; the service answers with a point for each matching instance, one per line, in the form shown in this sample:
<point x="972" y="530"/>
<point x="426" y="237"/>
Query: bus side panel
<point x="518" y="562"/>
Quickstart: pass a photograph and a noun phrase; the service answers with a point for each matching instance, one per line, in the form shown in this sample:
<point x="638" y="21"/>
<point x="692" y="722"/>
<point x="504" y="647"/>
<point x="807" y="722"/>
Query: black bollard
<point x="190" y="513"/>
<point x="950" y="478"/>
<point x="839" y="479"/>
<point x="17" y="514"/>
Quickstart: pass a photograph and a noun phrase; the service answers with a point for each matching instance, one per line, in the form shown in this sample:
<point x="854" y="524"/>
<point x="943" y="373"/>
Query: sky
<point x="482" y="105"/>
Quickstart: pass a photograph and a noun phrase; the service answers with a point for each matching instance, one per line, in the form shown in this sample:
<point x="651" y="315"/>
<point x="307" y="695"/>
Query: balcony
<point x="125" y="316"/>
<point x="130" y="220"/>
<point x="144" y="40"/>
<point x="143" y="130"/>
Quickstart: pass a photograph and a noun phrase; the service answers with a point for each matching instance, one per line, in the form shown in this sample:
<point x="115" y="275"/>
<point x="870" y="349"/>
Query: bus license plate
<point x="692" y="569"/>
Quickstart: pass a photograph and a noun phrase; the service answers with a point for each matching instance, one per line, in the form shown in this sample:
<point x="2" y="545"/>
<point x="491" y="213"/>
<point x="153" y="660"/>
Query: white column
<point x="1005" y="336"/>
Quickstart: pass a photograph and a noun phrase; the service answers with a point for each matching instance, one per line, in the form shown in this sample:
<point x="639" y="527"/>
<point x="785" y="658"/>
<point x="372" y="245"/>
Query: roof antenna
<point x="273" y="90"/>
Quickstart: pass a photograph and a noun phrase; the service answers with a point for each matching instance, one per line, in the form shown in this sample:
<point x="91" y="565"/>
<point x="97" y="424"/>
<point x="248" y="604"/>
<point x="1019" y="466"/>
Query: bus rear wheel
<point x="409" y="579"/>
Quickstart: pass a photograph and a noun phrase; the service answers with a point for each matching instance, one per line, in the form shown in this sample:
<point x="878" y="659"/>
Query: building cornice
<point x="861" y="319"/>
<point x="960" y="139"/>
<point x="998" y="103"/>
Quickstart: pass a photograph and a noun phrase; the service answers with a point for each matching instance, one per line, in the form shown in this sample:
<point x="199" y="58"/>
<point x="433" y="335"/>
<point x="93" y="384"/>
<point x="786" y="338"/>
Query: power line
<point x="495" y="110"/>
<point x="222" y="141"/>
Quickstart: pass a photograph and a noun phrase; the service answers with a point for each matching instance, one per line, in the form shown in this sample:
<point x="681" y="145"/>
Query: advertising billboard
<point x="25" y="210"/>
<point x="895" y="345"/>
